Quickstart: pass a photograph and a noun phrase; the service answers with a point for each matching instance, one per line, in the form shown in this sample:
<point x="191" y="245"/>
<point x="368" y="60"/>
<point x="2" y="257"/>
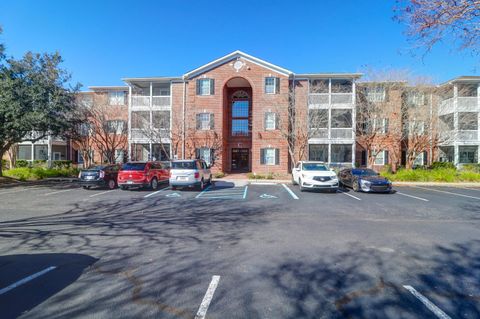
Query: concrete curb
<point x="39" y="182"/>
<point x="466" y="184"/>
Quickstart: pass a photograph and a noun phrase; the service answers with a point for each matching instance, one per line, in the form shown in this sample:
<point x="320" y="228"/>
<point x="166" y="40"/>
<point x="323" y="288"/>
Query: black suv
<point x="100" y="176"/>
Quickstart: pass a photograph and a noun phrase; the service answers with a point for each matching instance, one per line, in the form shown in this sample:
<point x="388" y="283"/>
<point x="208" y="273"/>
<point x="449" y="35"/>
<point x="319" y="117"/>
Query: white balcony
<point x="143" y="102"/>
<point x="467" y="136"/>
<point x="333" y="99"/>
<point x="467" y="104"/>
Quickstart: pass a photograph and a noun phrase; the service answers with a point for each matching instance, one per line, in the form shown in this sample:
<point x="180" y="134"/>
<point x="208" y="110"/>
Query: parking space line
<point x="260" y="183"/>
<point x="26" y="279"/>
<point x="345" y="193"/>
<point x="432" y="307"/>
<point x="20" y="190"/>
<point x="419" y="198"/>
<point x="446" y="192"/>
<point x="245" y="192"/>
<point x="98" y="194"/>
<point x="151" y="194"/>
<point x="205" y="190"/>
<point x="202" y="310"/>
<point x="290" y="191"/>
<point x="58" y="192"/>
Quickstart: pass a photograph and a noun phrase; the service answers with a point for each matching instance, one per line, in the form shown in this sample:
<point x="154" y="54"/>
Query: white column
<point x="456" y="156"/>
<point x="354" y="121"/>
<point x="32" y="156"/>
<point x="329" y="152"/>
<point x="129" y="123"/>
<point x="151" y="122"/>
<point x="49" y="151"/>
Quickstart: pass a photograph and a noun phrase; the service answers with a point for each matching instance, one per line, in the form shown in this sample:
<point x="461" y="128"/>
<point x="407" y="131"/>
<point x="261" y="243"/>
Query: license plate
<point x="181" y="178"/>
<point x="129" y="182"/>
<point x="89" y="177"/>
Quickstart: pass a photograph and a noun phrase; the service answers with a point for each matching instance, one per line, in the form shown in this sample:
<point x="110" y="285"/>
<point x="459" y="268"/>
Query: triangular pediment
<point x="234" y="56"/>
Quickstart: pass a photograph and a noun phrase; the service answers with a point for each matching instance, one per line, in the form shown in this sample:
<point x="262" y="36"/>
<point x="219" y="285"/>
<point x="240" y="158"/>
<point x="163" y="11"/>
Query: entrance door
<point x="240" y="159"/>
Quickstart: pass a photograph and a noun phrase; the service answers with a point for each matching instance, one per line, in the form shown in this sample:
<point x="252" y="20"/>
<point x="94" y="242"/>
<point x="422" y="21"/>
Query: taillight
<point x="197" y="175"/>
<point x="102" y="174"/>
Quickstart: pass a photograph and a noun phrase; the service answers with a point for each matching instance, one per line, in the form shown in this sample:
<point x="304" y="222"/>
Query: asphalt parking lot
<point x="239" y="250"/>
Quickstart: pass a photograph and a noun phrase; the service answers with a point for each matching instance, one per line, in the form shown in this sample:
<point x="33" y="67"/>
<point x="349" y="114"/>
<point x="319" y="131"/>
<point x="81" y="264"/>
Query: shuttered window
<point x="269" y="156"/>
<point x="205" y="87"/>
<point x="205" y="121"/>
<point x="270" y="121"/>
<point x="272" y="85"/>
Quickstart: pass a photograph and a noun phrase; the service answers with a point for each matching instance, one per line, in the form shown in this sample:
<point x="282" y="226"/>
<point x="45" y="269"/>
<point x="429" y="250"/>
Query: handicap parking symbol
<point x="267" y="196"/>
<point x="173" y="195"/>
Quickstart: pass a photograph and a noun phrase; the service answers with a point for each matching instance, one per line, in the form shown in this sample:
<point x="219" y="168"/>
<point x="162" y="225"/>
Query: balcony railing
<point x="467" y="104"/>
<point x="139" y="101"/>
<point x="319" y="132"/>
<point x="334" y="98"/>
<point x="470" y="135"/>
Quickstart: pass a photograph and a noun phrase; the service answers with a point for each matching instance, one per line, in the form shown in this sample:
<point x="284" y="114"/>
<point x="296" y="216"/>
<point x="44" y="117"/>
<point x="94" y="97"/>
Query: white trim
<point x="235" y="55"/>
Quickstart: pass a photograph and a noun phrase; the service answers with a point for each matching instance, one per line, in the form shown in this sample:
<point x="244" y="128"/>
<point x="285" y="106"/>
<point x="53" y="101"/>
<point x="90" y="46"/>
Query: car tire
<point x="112" y="184"/>
<point x="86" y="187"/>
<point x="154" y="184"/>
<point x="123" y="188"/>
<point x="355" y="186"/>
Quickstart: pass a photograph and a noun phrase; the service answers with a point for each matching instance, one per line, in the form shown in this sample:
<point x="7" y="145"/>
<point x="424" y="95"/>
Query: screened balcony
<point x="326" y="92"/>
<point x="150" y="95"/>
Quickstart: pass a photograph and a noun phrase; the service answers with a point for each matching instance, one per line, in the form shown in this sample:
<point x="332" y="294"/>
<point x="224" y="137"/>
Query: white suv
<point x="190" y="173"/>
<point x="314" y="175"/>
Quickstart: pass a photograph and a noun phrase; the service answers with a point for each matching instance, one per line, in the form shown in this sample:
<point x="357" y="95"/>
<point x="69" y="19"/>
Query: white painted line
<point x="260" y="183"/>
<point x="58" y="192"/>
<point x="151" y="194"/>
<point x="98" y="194"/>
<point x="26" y="279"/>
<point x="290" y="191"/>
<point x="221" y="193"/>
<point x="245" y="192"/>
<point x="425" y="200"/>
<point x="437" y="311"/>
<point x="205" y="190"/>
<point x="20" y="190"/>
<point x="202" y="310"/>
<point x="445" y="192"/>
<point x="345" y="193"/>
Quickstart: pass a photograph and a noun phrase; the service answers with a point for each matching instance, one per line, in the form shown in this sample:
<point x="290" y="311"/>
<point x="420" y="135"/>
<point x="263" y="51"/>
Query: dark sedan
<point x="101" y="176"/>
<point x="364" y="179"/>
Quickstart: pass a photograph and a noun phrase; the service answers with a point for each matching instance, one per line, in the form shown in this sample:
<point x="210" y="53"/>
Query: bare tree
<point x="431" y="21"/>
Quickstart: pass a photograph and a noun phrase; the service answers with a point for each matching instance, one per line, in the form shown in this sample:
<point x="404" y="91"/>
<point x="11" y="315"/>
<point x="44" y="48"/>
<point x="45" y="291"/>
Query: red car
<point x="142" y="174"/>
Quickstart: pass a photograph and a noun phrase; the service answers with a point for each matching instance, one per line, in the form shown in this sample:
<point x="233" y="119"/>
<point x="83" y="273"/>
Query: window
<point x="240" y="122"/>
<point x="115" y="127"/>
<point x="161" y="89"/>
<point x="161" y="120"/>
<point x="116" y="98"/>
<point x="416" y="98"/>
<point x="86" y="100"/>
<point x="342" y="86"/>
<point x="272" y="85"/>
<point x="41" y="152"/>
<point x="381" y="158"/>
<point x="205" y="87"/>
<point x="205" y="154"/>
<point x="381" y="125"/>
<point x="341" y="153"/>
<point x="318" y="152"/>
<point x="161" y="152"/>
<point x="140" y="119"/>
<point x="270" y="121"/>
<point x="375" y="94"/>
<point x="467" y="90"/>
<point x="341" y="118"/>
<point x="447" y="121"/>
<point x="119" y="154"/>
<point x="205" y="121"/>
<point x="468" y="154"/>
<point x="420" y="160"/>
<point x="269" y="156"/>
<point x="318" y="118"/>
<point x="319" y="86"/>
<point x="467" y="121"/>
<point x="24" y="152"/>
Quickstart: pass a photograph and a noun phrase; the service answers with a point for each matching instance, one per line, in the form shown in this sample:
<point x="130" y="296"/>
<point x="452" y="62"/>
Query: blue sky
<point x="103" y="41"/>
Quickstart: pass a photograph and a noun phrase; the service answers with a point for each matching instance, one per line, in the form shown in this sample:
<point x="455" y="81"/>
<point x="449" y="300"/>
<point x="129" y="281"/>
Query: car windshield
<point x="183" y="165"/>
<point x="314" y="167"/>
<point x="133" y="166"/>
<point x="364" y="172"/>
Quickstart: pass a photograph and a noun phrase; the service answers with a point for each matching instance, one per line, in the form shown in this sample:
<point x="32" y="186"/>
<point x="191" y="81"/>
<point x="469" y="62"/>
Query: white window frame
<point x="116" y="98"/>
<point x="269" y="158"/>
<point x="275" y="79"/>
<point x="419" y="158"/>
<point x="119" y="155"/>
<point x="205" y="150"/>
<point x="200" y="83"/>
<point x="55" y="154"/>
<point x="375" y="94"/>
<point x="271" y="121"/>
<point x="382" y="157"/>
<point x="202" y="122"/>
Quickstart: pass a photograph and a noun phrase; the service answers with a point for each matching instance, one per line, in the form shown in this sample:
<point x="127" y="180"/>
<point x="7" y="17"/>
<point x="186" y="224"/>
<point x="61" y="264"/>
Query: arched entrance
<point x="238" y="128"/>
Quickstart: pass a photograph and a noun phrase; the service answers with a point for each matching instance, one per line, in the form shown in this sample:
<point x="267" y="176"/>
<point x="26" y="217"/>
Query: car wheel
<point x="86" y="187"/>
<point x="123" y="188"/>
<point x="154" y="184"/>
<point x="300" y="184"/>
<point x="355" y="186"/>
<point x="112" y="184"/>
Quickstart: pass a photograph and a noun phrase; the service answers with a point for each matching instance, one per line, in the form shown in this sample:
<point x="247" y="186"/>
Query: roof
<point x="108" y="88"/>
<point x="152" y="79"/>
<point x="330" y="75"/>
<point x="463" y="78"/>
<point x="233" y="56"/>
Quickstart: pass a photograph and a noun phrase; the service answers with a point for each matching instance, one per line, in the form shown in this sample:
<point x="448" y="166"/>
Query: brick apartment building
<point x="234" y="112"/>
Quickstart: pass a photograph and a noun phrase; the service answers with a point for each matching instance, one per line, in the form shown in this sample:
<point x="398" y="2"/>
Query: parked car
<point x="190" y="173"/>
<point x="314" y="175"/>
<point x="101" y="175"/>
<point x="142" y="174"/>
<point x="364" y="179"/>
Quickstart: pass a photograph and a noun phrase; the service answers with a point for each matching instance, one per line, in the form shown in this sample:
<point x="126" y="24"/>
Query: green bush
<point x="62" y="164"/>
<point x="437" y="165"/>
<point x="471" y="168"/>
<point x="434" y="175"/>
<point x="219" y="175"/>
<point x="4" y="164"/>
<point x="21" y="163"/>
<point x="261" y="176"/>
<point x="39" y="163"/>
<point x="36" y="173"/>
